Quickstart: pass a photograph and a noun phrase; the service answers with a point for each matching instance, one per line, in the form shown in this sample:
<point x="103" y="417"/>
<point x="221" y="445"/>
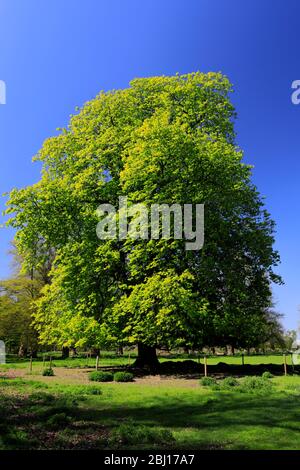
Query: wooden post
<point x="97" y="362"/>
<point x="50" y="363"/>
<point x="243" y="359"/>
<point x="284" y="365"/>
<point x="30" y="365"/>
<point x="292" y="363"/>
<point x="205" y="366"/>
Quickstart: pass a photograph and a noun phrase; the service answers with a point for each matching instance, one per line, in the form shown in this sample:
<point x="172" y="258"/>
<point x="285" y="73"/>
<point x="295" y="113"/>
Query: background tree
<point x="16" y="297"/>
<point x="289" y="338"/>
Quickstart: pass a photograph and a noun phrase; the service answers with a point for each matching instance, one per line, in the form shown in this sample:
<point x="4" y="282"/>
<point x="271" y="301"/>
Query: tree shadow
<point x="226" y="413"/>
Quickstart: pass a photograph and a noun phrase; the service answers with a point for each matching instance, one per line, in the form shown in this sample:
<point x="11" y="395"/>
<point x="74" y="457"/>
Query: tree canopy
<point x="162" y="140"/>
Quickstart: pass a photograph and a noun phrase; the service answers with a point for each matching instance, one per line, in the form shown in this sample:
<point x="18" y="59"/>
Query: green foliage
<point x="208" y="381"/>
<point x="16" y="299"/>
<point x="229" y="382"/>
<point x="267" y="375"/>
<point x="49" y="372"/>
<point x="123" y="377"/>
<point x="99" y="376"/>
<point x="163" y="140"/>
<point x="255" y="385"/>
<point x="290" y="338"/>
<point x="131" y="434"/>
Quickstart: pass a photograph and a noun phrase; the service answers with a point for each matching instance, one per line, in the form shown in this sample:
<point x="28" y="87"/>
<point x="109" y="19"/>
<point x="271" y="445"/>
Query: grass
<point x="108" y="359"/>
<point x="166" y="414"/>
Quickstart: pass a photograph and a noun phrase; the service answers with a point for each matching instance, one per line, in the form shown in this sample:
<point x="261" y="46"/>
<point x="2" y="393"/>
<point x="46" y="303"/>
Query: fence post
<point x="284" y="365"/>
<point x="50" y="363"/>
<point x="97" y="362"/>
<point x="205" y="366"/>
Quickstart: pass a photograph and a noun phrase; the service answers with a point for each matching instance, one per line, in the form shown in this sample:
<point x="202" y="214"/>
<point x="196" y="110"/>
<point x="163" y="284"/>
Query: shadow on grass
<point x="219" y="410"/>
<point x="25" y="420"/>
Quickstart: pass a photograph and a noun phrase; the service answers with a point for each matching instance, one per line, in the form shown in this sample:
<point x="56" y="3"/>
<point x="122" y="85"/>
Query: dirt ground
<point x="81" y="376"/>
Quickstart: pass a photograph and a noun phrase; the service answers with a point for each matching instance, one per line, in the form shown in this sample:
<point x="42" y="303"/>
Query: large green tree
<point x="162" y="140"/>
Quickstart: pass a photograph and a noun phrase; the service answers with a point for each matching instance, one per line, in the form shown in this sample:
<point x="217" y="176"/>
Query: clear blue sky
<point x="55" y="55"/>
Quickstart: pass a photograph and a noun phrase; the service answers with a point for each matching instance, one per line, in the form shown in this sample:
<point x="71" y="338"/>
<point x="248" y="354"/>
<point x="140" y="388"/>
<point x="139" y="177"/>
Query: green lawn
<point x="109" y="359"/>
<point x="152" y="413"/>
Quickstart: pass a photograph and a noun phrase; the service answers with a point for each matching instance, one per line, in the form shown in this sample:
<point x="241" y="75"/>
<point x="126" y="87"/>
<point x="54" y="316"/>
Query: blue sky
<point x="56" y="55"/>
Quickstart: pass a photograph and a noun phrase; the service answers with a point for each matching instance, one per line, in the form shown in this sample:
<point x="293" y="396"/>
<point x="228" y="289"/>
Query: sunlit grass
<point x="108" y="359"/>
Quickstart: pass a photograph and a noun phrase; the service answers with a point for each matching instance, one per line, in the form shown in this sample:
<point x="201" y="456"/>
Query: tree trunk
<point x="232" y="350"/>
<point x="95" y="352"/>
<point x="73" y="351"/>
<point x="65" y="352"/>
<point x="146" y="357"/>
<point x="22" y="350"/>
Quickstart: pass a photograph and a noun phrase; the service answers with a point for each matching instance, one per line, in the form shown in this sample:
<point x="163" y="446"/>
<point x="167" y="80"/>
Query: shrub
<point x="130" y="434"/>
<point x="229" y="382"/>
<point x="99" y="376"/>
<point x="48" y="372"/>
<point x="123" y="377"/>
<point x="208" y="381"/>
<point x="267" y="375"/>
<point x="258" y="385"/>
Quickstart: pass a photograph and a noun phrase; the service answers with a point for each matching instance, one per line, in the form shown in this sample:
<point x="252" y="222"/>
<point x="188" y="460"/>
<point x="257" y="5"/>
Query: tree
<point x="163" y="140"/>
<point x="16" y="296"/>
<point x="289" y="339"/>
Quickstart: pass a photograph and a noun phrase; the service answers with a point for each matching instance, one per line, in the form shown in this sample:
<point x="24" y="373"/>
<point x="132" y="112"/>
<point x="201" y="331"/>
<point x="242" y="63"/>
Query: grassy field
<point x="154" y="412"/>
<point x="110" y="359"/>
